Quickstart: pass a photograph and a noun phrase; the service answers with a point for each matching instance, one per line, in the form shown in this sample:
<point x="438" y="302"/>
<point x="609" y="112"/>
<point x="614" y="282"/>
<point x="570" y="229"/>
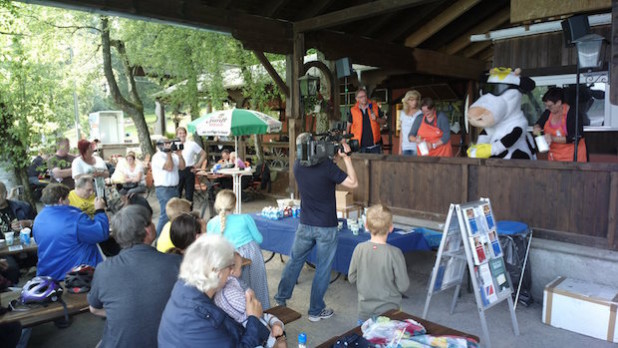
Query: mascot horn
<point x="498" y="112"/>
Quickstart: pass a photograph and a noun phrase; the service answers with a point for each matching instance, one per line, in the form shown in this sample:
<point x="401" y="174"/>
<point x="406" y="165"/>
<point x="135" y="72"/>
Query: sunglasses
<point x="497" y="89"/>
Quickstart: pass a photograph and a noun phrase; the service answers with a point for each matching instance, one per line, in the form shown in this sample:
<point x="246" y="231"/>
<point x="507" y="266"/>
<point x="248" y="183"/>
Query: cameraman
<point x="165" y="166"/>
<point x="318" y="226"/>
<point x="364" y="121"/>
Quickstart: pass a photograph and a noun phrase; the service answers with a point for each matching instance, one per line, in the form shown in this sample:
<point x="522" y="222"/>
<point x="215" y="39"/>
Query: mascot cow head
<point x="501" y="96"/>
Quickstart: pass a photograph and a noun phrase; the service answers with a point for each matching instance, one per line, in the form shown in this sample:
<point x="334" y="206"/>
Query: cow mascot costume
<point x="498" y="112"/>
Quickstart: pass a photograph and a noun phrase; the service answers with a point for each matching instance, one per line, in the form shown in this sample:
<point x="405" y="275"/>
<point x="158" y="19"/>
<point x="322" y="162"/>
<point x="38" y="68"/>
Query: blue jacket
<point x="191" y="319"/>
<point x="67" y="237"/>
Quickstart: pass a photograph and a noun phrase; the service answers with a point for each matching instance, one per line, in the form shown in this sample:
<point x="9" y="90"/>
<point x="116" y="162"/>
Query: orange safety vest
<point x="563" y="152"/>
<point x="431" y="133"/>
<point x="357" y="122"/>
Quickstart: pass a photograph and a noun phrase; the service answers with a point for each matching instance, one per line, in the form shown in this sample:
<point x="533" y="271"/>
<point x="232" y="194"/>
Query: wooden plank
<point x="272" y="8"/>
<point x="530" y="10"/>
<point x="355" y="13"/>
<point x="433" y="26"/>
<point x="464" y="40"/>
<point x="314" y="8"/>
<point x="272" y="72"/>
<point x="612" y="211"/>
<point x="477" y="47"/>
<point x="285" y="314"/>
<point x="614" y="54"/>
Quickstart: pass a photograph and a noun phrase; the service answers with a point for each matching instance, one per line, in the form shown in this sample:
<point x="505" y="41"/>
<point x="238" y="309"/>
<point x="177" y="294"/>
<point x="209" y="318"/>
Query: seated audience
<point x="232" y="300"/>
<point x="191" y="318"/>
<point x="241" y="231"/>
<point x="173" y="208"/>
<point x="132" y="288"/>
<point x="134" y="178"/>
<point x="14" y="215"/>
<point x="82" y="196"/>
<point x="378" y="269"/>
<point x="66" y="236"/>
<point x="225" y="157"/>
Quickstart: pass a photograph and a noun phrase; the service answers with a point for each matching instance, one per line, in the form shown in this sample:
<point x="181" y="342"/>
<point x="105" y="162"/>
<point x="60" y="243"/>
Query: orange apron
<point x="563" y="152"/>
<point x="431" y="134"/>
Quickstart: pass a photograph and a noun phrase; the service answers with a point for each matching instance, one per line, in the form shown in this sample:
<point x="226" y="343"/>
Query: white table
<point x="236" y="174"/>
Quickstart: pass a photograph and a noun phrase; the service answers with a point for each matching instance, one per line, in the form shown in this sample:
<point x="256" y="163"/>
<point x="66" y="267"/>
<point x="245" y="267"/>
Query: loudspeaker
<point x="575" y="27"/>
<point x="344" y="67"/>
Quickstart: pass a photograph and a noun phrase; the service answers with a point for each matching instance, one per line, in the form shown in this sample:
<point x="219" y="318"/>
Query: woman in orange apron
<point x="432" y="129"/>
<point x="558" y="124"/>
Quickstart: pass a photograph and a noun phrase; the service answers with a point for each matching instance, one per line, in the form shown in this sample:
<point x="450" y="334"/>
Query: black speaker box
<point x="575" y="27"/>
<point x="344" y="67"/>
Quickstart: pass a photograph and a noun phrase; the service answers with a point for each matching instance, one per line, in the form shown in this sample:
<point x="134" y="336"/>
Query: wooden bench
<point x="285" y="314"/>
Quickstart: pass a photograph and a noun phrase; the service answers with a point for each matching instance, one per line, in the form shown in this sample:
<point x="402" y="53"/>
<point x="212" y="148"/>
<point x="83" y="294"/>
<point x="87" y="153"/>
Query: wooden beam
<point x="614" y="55"/>
<point x="435" y="24"/>
<point x="475" y="48"/>
<point x="396" y="31"/>
<point x="489" y="24"/>
<point x="192" y="13"/>
<point x="272" y="72"/>
<point x="393" y="56"/>
<point x="271" y="9"/>
<point x="294" y="66"/>
<point x="314" y="8"/>
<point x="355" y="13"/>
<point x="530" y="10"/>
<point x="486" y="55"/>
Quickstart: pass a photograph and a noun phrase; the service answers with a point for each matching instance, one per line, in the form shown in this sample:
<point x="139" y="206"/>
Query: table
<point x="236" y="174"/>
<point x="431" y="327"/>
<point x="279" y="237"/>
<point x="4" y="250"/>
<point x="76" y="303"/>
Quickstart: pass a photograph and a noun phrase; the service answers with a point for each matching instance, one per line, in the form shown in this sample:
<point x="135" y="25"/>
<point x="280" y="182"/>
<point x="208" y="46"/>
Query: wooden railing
<point x="571" y="202"/>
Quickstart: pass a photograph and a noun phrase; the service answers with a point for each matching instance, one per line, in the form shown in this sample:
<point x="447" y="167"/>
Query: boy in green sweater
<point x="378" y="269"/>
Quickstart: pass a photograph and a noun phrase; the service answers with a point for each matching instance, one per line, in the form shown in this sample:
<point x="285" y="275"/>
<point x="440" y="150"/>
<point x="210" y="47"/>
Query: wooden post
<point x="613" y="64"/>
<point x="294" y="63"/>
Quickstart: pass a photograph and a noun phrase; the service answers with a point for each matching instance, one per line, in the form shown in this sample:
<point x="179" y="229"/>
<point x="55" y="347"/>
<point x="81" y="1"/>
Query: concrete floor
<point x="341" y="296"/>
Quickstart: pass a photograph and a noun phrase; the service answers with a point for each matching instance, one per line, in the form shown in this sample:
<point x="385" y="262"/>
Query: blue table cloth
<point x="279" y="237"/>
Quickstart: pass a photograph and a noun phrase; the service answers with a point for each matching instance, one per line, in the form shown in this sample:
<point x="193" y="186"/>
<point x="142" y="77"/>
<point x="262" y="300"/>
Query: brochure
<point x="489" y="216"/>
<point x="478" y="249"/>
<point x="498" y="272"/>
<point x="486" y="283"/>
<point x="495" y="244"/>
<point x="472" y="222"/>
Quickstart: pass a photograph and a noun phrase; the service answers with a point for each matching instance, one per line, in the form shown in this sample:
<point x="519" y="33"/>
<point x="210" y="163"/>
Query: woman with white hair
<point x="191" y="318"/>
<point x="241" y="231"/>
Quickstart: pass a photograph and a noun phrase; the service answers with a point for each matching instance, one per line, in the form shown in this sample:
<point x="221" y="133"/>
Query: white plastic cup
<point x="10" y="237"/>
<point x="541" y="143"/>
<point x="423" y="148"/>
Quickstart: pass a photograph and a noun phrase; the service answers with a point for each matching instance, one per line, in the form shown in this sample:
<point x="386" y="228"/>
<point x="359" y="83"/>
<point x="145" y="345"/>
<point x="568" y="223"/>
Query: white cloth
<point x="161" y="176"/>
<point x="131" y="175"/>
<point x="406" y="124"/>
<point x="79" y="167"/>
<point x="191" y="153"/>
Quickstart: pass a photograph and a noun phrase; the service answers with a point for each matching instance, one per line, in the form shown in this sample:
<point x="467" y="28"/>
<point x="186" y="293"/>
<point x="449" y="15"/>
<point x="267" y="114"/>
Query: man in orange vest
<point x="364" y="121"/>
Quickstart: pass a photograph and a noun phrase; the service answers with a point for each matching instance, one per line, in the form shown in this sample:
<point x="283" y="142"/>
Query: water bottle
<point x="302" y="340"/>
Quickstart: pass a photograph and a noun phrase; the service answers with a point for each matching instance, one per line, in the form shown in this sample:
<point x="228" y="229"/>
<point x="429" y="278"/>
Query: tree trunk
<point x="22" y="179"/>
<point x="133" y="108"/>
<point x="257" y="142"/>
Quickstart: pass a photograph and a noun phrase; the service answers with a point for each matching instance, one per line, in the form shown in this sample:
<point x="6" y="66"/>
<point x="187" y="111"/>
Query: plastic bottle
<point x="302" y="340"/>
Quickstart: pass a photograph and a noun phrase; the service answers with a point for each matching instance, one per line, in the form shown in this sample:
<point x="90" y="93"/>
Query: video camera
<point x="176" y="145"/>
<point x="316" y="148"/>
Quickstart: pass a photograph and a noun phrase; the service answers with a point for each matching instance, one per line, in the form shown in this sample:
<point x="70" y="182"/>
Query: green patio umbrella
<point x="234" y="122"/>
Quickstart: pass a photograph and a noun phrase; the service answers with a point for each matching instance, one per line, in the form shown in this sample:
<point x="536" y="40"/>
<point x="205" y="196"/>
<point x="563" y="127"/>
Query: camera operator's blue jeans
<point x="164" y="194"/>
<point x="325" y="240"/>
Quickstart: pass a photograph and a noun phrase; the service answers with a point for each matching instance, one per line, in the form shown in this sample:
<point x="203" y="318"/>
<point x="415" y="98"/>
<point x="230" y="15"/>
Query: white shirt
<point x="161" y="176"/>
<point x="79" y="167"/>
<point x="133" y="174"/>
<point x="406" y="124"/>
<point x="191" y="153"/>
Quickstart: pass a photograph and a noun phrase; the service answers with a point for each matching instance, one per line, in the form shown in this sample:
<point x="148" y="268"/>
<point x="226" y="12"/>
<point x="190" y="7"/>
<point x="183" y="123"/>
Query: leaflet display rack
<point x="470" y="237"/>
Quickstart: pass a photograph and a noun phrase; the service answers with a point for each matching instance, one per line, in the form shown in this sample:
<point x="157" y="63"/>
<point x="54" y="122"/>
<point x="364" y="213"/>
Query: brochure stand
<point x="470" y="237"/>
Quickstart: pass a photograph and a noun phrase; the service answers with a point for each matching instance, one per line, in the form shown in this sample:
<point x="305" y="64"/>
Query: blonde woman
<point x="410" y="112"/>
<point x="241" y="231"/>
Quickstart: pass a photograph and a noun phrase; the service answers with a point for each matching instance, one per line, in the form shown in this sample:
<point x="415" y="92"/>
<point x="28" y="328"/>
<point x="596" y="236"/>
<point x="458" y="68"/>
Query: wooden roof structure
<point x="428" y="37"/>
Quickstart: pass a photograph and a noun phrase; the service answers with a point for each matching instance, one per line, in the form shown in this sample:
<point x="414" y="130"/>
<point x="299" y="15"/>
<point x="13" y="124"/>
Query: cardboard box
<point x="582" y="307"/>
<point x="344" y="199"/>
<point x="350" y="212"/>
